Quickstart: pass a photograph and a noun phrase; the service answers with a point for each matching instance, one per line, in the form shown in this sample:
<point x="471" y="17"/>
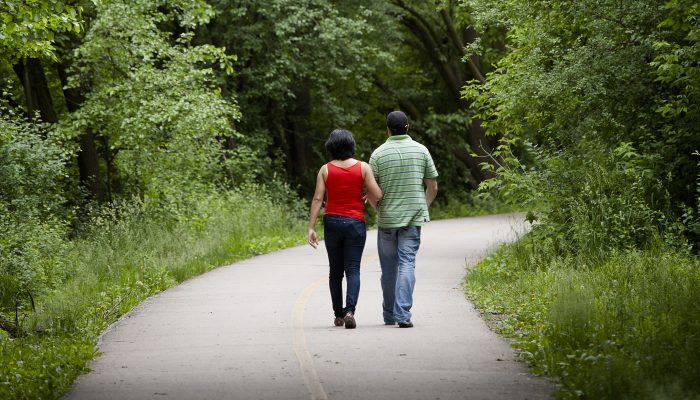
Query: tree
<point x="604" y="86"/>
<point x="153" y="106"/>
<point x="27" y="33"/>
<point x="678" y="105"/>
<point x="444" y="39"/>
<point x="302" y="69"/>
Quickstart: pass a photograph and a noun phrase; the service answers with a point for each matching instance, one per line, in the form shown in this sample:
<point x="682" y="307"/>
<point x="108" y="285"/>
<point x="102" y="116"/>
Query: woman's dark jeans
<point x="345" y="240"/>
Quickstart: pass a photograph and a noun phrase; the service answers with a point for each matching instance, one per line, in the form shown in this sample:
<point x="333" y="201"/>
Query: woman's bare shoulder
<point x="365" y="168"/>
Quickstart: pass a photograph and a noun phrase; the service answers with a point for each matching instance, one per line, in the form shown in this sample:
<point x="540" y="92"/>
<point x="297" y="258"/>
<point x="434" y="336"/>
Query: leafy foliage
<point x="28" y="27"/>
<point x="32" y="227"/>
<point x="678" y="104"/>
<point x="303" y="68"/>
<point x="597" y="104"/>
<point x="578" y="84"/>
<point x="145" y="85"/>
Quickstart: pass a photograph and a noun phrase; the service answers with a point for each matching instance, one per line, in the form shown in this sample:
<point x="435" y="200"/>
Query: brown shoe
<point x="338" y="321"/>
<point x="350" y="321"/>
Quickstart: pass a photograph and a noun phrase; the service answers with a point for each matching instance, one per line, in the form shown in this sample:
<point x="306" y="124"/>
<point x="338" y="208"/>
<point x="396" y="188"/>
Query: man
<point x="401" y="167"/>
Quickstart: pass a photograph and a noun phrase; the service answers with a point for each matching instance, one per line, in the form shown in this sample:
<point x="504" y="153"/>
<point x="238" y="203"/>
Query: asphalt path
<point x="263" y="329"/>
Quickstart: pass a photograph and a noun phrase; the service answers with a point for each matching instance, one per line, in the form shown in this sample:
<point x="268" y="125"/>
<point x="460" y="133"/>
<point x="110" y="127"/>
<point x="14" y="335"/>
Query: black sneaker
<point x="349" y="321"/>
<point x="405" y="324"/>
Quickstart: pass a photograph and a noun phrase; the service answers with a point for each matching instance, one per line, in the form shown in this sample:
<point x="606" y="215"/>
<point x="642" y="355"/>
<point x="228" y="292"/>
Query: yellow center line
<point x="308" y="370"/>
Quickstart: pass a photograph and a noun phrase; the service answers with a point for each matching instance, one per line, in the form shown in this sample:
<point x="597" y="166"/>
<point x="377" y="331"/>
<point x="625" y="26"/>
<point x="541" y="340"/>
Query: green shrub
<point x="32" y="227"/>
<point x="590" y="204"/>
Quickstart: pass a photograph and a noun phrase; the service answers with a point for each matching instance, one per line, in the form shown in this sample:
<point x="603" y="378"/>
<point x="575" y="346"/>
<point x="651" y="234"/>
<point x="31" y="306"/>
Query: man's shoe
<point x="389" y="322"/>
<point x="405" y="324"/>
<point x="338" y="321"/>
<point x="349" y="321"/>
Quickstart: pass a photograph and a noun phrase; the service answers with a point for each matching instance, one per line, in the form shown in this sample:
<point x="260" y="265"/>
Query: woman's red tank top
<point x="344" y="191"/>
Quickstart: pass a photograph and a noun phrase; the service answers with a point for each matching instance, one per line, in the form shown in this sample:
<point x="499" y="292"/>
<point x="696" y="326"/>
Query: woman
<point x="342" y="180"/>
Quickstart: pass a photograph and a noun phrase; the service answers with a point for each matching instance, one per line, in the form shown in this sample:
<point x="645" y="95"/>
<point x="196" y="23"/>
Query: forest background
<point x="143" y="142"/>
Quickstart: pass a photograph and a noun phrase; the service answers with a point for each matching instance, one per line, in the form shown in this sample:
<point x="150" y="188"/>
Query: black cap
<point x="397" y="122"/>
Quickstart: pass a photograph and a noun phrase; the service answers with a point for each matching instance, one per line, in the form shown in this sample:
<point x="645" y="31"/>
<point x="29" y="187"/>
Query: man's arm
<point x="431" y="190"/>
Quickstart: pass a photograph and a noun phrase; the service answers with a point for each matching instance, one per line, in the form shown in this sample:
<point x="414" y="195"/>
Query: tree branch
<point x="452" y="32"/>
<point x="421" y="20"/>
<point x="435" y="56"/>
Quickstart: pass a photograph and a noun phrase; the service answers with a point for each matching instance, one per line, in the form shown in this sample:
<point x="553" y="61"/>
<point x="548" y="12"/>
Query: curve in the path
<point x="262" y="329"/>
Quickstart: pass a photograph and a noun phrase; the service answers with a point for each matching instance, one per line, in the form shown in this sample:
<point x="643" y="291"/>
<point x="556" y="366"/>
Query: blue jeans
<point x="345" y="240"/>
<point x="397" y="256"/>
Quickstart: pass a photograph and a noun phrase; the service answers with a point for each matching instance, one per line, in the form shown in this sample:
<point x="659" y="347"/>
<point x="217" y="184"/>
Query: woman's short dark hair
<point x="340" y="144"/>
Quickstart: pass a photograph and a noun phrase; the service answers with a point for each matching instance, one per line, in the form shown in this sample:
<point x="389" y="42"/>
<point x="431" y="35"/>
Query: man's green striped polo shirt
<point x="400" y="165"/>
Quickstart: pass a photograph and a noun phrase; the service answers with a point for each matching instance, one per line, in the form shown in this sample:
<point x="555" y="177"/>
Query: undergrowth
<point x="124" y="255"/>
<point x="622" y="328"/>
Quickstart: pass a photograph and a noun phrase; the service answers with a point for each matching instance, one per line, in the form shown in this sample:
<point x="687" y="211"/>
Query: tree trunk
<point x="482" y="146"/>
<point x="452" y="71"/>
<point x="88" y="157"/>
<point x="88" y="165"/>
<point x="36" y="90"/>
<point x="300" y="155"/>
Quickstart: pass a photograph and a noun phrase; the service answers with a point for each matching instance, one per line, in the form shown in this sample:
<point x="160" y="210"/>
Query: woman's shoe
<point x="349" y="321"/>
<point x="338" y="321"/>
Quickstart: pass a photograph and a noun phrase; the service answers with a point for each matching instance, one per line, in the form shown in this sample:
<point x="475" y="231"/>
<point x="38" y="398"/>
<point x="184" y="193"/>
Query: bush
<point x="590" y="204"/>
<point x="32" y="227"/>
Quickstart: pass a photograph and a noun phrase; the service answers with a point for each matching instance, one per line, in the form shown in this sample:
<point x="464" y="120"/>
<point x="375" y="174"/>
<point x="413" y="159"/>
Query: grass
<point x="623" y="328"/>
<point x="118" y="263"/>
<point x="469" y="205"/>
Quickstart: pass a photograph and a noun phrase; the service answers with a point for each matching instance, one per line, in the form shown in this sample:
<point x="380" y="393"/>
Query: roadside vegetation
<point x="622" y="328"/>
<point x="122" y="258"/>
<point x="143" y="142"/>
<point x="598" y="103"/>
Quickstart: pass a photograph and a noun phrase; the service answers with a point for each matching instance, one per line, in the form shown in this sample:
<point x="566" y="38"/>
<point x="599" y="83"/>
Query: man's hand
<point x="313" y="240"/>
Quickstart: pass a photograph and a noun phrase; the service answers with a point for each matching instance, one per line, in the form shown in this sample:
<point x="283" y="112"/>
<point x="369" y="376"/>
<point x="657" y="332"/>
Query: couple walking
<point x="394" y="183"/>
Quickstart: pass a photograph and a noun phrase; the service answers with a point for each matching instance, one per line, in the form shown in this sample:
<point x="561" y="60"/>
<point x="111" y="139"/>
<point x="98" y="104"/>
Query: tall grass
<point x="125" y="255"/>
<point x="449" y="205"/>
<point x="623" y="328"/>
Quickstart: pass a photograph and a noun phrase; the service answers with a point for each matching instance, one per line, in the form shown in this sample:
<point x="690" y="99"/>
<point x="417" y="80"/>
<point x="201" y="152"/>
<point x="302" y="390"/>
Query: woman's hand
<point x="313" y="240"/>
<point x="374" y="192"/>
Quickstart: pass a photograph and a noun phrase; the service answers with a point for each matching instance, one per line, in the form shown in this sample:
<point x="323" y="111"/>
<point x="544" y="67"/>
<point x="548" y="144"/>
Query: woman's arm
<point x="374" y="192"/>
<point x="316" y="203"/>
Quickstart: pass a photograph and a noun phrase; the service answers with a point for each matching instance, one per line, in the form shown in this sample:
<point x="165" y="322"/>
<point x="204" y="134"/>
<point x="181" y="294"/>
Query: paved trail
<point x="262" y="329"/>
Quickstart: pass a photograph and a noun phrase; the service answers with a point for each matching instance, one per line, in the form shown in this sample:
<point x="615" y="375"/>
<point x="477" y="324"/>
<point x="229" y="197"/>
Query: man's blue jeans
<point x="397" y="256"/>
<point x="345" y="241"/>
